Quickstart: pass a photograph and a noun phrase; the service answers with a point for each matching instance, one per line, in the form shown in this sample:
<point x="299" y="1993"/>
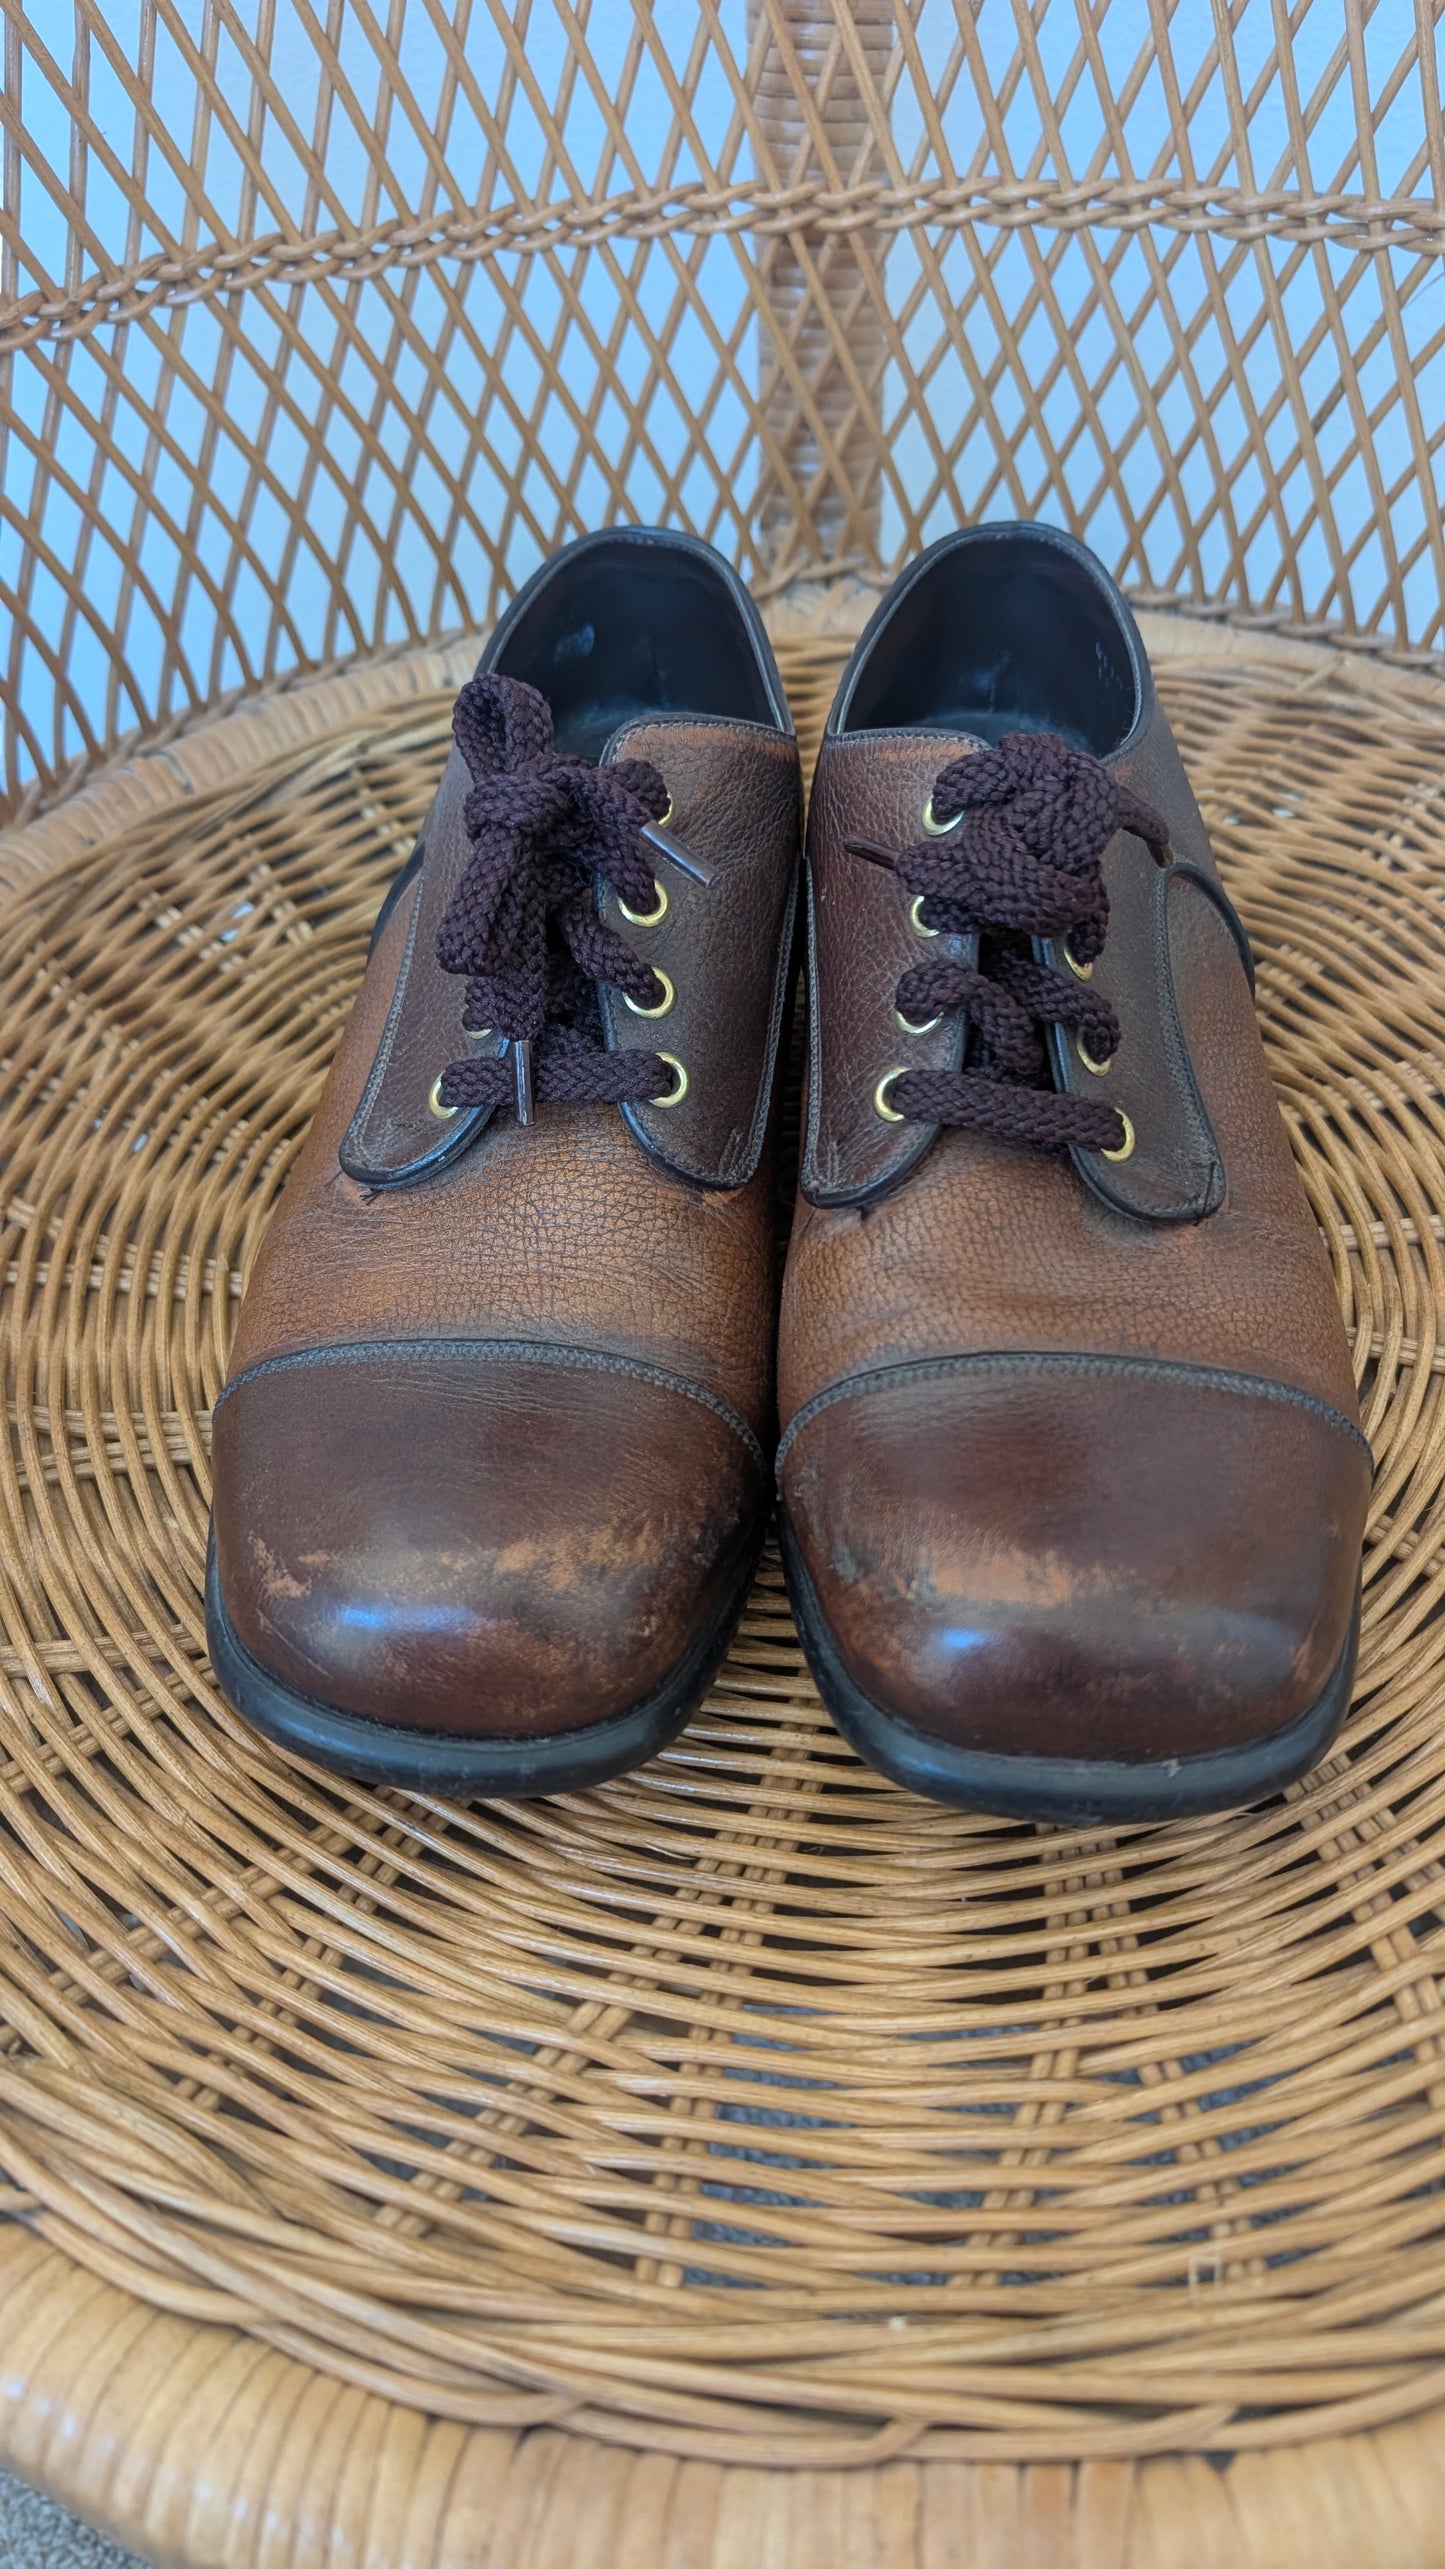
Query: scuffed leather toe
<point x="1076" y="1557"/>
<point x="485" y="1540"/>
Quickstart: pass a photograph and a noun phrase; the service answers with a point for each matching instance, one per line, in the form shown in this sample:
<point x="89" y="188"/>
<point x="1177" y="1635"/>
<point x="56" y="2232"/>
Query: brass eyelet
<point x="915" y="916"/>
<point x="1080" y="971"/>
<point x="890" y="1114"/>
<point x="935" y="828"/>
<point x="1125" y="1150"/>
<point x="442" y="1113"/>
<point x="675" y="1095"/>
<point x="665" y="1002"/>
<point x="909" y="1028"/>
<point x="1100" y="1069"/>
<point x="646" y="918"/>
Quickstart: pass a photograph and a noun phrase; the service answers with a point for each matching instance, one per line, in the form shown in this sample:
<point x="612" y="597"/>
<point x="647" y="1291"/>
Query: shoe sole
<point x="458" y="1768"/>
<point x="1074" y="1791"/>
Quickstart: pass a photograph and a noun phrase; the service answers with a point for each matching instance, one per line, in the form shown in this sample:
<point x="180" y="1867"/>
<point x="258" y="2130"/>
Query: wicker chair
<point x="741" y="2163"/>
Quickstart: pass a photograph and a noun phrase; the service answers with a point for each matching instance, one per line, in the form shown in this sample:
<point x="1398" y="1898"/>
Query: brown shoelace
<point x="522" y="923"/>
<point x="1036" y="817"/>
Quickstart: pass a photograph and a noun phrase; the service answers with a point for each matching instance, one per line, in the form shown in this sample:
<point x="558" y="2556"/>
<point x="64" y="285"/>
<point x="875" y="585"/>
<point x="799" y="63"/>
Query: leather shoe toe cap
<point x="503" y="1543"/>
<point x="1080" y="1558"/>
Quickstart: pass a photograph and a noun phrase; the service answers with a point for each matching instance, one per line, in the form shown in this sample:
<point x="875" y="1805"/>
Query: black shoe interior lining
<point x="634" y="626"/>
<point x="1005" y="631"/>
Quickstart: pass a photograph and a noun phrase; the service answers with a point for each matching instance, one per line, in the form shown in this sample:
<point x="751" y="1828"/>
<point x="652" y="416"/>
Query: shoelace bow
<point x="1036" y="819"/>
<point x="522" y="924"/>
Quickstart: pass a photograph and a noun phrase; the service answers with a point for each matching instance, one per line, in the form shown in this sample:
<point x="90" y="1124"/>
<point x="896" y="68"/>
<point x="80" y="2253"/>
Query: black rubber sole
<point x="461" y="1769"/>
<point x="1073" y="1791"/>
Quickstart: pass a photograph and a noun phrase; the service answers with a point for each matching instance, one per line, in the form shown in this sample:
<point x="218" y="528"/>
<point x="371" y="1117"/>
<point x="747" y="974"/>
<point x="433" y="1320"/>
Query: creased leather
<point x="1173" y="1173"/>
<point x="394" y="1138"/>
<point x="725" y="945"/>
<point x="873" y="785"/>
<point x="472" y="1540"/>
<point x="989" y="1246"/>
<point x="861" y="941"/>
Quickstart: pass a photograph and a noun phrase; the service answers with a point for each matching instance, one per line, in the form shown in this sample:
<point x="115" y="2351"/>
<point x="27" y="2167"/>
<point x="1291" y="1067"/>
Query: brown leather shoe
<point x="1073" y="1480"/>
<point x="489" y="1468"/>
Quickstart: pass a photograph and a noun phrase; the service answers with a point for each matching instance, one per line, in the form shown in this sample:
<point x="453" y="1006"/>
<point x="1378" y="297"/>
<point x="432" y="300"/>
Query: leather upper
<point x="725" y="946"/>
<point x="491" y="1450"/>
<point x="1018" y="1530"/>
<point x="1064" y="1556"/>
<point x="863" y="935"/>
<point x="989" y="1247"/>
<point x="449" y="1532"/>
<point x="861" y="940"/>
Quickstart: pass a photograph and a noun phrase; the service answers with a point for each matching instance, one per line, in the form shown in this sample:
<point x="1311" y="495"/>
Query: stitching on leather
<point x="1176" y="1045"/>
<point x="353" y="1148"/>
<point x="659" y="721"/>
<point x="905" y="733"/>
<point x="731" y="1169"/>
<point x="1209" y="1194"/>
<point x="1184" y="870"/>
<point x="784" y="976"/>
<point x="1059" y="1361"/>
<point x="821" y="1177"/>
<point x="813" y="1134"/>
<point x="354" y="1138"/>
<point x="519" y="1351"/>
<point x="1035" y="817"/>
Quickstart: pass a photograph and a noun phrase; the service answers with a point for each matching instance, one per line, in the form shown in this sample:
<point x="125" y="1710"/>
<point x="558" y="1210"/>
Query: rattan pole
<point x="822" y="328"/>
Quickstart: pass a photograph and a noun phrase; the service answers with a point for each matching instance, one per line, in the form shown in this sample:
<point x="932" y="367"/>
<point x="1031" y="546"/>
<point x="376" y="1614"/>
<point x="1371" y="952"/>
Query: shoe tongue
<point x="958" y="743"/>
<point x="662" y="735"/>
<point x="919" y="746"/>
<point x="708" y="765"/>
<point x="946" y="748"/>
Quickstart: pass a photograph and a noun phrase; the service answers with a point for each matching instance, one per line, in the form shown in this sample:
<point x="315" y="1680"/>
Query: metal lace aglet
<point x="875" y="854"/>
<point x="520" y="1049"/>
<point x="678" y="855"/>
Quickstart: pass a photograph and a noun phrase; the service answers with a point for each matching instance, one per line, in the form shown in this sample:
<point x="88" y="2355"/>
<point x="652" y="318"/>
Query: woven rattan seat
<point x="743" y="2166"/>
<point x="745" y="2113"/>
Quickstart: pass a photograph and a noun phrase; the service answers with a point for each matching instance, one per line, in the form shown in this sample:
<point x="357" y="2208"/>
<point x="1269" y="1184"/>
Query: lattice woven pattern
<point x="746" y="2106"/>
<point x="320" y="323"/>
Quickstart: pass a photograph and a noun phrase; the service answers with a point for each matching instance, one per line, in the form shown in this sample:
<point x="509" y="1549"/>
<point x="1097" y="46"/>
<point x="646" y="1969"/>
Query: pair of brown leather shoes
<point x="1071" y="1477"/>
